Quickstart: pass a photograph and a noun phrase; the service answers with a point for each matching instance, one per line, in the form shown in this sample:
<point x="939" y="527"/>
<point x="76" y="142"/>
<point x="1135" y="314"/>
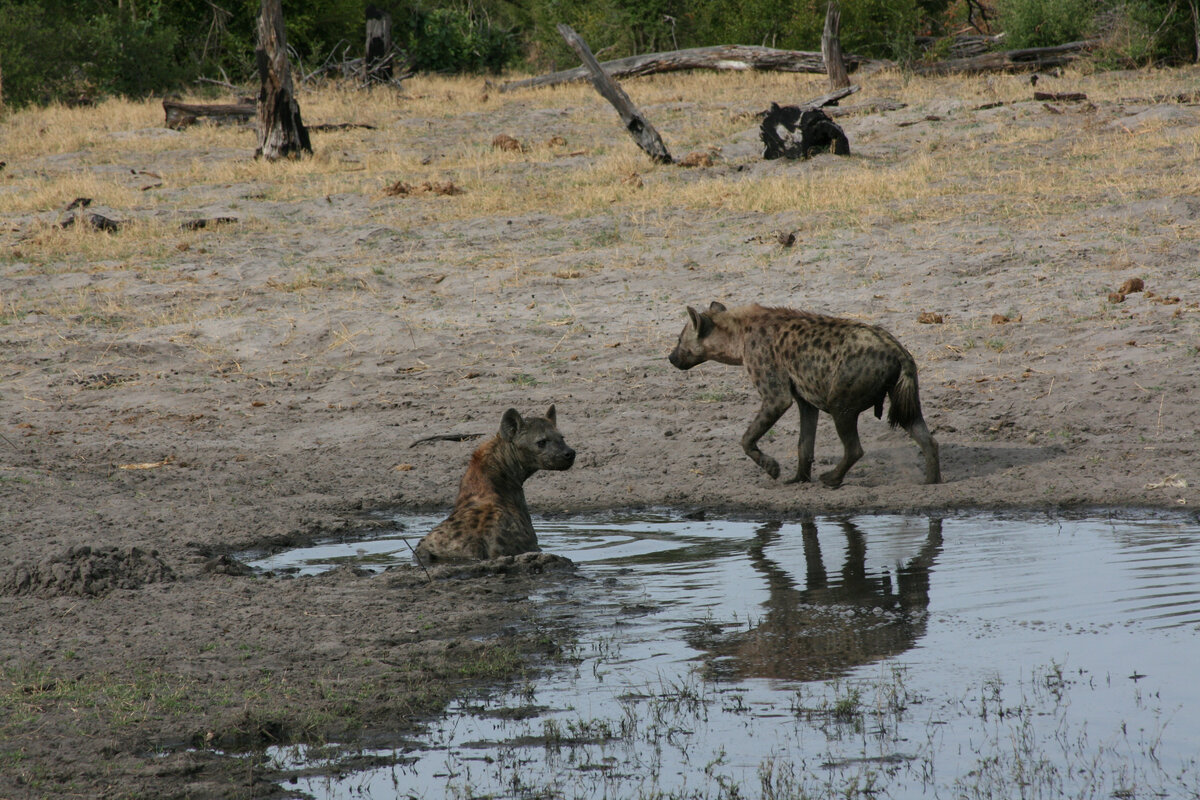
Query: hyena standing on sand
<point x="490" y="517"/>
<point x="838" y="366"/>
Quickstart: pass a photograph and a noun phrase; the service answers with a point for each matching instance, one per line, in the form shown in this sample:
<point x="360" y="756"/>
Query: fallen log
<point x="1186" y="98"/>
<point x="209" y="222"/>
<point x="96" y="221"/>
<point x="338" y="126"/>
<point x="831" y="98"/>
<point x="1061" y="97"/>
<point x="718" y="57"/>
<point x="638" y="126"/>
<point x="180" y="115"/>
<point x="1034" y="58"/>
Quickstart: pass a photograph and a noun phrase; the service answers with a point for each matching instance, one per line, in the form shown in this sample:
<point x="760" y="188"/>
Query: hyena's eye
<point x="541" y="443"/>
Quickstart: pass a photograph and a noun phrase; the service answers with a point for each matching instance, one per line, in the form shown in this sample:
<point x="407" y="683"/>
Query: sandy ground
<point x="259" y="384"/>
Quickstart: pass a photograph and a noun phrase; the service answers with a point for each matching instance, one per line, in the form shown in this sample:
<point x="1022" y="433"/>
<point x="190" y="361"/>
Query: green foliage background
<point x="55" y="50"/>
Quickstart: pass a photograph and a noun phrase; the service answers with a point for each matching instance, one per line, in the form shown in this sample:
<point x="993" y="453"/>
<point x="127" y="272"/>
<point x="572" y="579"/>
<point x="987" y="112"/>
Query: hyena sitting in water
<point x="490" y="517"/>
<point x="838" y="366"/>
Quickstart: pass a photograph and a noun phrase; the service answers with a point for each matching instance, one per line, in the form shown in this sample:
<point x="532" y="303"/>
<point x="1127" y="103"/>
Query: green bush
<point x="1144" y="32"/>
<point x="456" y="40"/>
<point x="611" y="28"/>
<point x="51" y="55"/>
<point x="58" y="49"/>
<point x="1044" y="23"/>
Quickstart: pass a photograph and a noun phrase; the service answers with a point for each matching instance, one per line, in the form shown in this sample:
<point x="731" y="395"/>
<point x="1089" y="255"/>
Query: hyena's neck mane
<point x="494" y="469"/>
<point x="727" y="342"/>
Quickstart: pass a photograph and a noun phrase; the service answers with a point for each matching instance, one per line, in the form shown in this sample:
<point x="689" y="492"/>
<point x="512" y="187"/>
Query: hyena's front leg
<point x="768" y="415"/>
<point x="808" y="438"/>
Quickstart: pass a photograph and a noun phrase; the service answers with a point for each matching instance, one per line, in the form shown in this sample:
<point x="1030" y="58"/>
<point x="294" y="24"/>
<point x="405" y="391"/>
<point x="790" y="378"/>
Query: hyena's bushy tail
<point x="905" y="406"/>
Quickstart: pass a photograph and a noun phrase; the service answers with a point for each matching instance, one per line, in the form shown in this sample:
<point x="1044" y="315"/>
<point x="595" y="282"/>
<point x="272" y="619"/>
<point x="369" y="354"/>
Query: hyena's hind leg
<point x="808" y="439"/>
<point x="924" y="439"/>
<point x="847" y="430"/>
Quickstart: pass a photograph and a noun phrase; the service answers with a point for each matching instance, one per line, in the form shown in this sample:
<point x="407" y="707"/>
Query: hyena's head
<point x="696" y="342"/>
<point x="537" y="441"/>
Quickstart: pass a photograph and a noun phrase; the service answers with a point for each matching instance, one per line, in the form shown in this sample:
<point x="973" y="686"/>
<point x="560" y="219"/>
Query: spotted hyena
<point x="838" y="366"/>
<point x="490" y="517"/>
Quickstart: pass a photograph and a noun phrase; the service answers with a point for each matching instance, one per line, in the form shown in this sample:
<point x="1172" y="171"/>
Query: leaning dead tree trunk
<point x="1034" y="58"/>
<point x="281" y="132"/>
<point x="377" y="66"/>
<point x="736" y="57"/>
<point x="638" y="126"/>
<point x="831" y="47"/>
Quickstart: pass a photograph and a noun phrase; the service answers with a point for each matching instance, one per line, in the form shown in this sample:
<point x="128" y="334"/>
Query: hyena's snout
<point x="562" y="458"/>
<point x="552" y="452"/>
<point x="681" y="360"/>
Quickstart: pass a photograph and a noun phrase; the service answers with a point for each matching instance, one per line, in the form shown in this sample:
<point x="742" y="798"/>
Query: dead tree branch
<point x="720" y="57"/>
<point x="638" y="126"/>
<point x="1033" y="58"/>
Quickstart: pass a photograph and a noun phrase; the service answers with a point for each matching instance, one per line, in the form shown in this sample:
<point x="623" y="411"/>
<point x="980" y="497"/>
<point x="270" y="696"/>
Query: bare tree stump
<point x="377" y="65"/>
<point x="281" y="132"/>
<point x="638" y="126"/>
<point x="831" y="47"/>
<point x="1195" y="7"/>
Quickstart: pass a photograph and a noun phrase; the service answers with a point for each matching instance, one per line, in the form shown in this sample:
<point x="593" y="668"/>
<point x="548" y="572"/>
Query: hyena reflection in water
<point x="826" y="627"/>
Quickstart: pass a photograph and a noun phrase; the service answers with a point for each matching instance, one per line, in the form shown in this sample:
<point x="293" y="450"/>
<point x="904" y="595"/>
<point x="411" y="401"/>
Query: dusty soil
<point x="259" y="384"/>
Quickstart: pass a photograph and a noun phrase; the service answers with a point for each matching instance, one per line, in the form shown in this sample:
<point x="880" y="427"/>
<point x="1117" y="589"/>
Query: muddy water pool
<point x="963" y="656"/>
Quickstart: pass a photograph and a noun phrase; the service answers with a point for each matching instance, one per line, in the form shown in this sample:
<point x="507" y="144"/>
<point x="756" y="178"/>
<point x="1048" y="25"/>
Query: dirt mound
<point x="87" y="571"/>
<point x="524" y="564"/>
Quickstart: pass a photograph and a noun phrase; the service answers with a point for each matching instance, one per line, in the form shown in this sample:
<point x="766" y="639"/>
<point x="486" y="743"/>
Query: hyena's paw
<point x="831" y="479"/>
<point x="770" y="465"/>
<point x="800" y="477"/>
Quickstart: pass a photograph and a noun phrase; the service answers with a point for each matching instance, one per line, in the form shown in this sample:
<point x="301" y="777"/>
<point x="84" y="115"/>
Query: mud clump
<point x="535" y="563"/>
<point x="87" y="572"/>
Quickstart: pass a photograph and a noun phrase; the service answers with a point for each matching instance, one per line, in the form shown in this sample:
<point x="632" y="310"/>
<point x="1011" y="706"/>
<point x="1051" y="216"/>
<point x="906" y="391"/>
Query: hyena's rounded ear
<point x="510" y="424"/>
<point x="701" y="322"/>
<point x="552" y="416"/>
<point x="714" y="307"/>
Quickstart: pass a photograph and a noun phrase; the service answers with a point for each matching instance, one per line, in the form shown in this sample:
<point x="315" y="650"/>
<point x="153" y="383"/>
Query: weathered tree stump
<point x="817" y="133"/>
<point x="638" y="126"/>
<point x="281" y="132"/>
<point x="831" y="47"/>
<point x="377" y="65"/>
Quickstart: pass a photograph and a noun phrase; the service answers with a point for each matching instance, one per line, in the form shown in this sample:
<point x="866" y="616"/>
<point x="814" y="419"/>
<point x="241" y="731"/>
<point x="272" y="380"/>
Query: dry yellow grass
<point x="1025" y="171"/>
